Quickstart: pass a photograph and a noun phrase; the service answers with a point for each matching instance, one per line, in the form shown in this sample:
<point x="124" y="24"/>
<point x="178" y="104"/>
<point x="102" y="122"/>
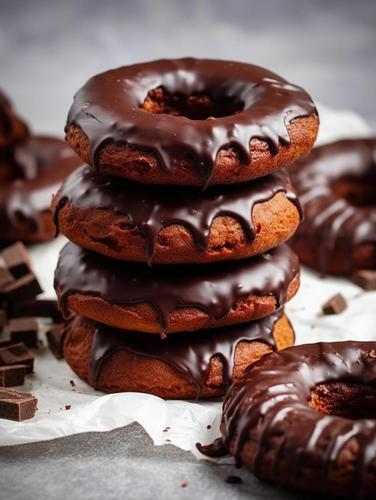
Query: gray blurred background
<point x="49" y="48"/>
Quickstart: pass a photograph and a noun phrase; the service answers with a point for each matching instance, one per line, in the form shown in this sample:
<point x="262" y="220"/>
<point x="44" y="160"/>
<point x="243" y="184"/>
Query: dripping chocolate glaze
<point x="213" y="289"/>
<point x="331" y="221"/>
<point x="277" y="389"/>
<point x="151" y="208"/>
<point x="189" y="353"/>
<point x="42" y="164"/>
<point x="108" y="108"/>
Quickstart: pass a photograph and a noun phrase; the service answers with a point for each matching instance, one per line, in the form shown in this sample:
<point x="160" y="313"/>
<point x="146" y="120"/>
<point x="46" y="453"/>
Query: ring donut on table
<point x="130" y="221"/>
<point x="336" y="187"/>
<point x="191" y="122"/>
<point x="167" y="299"/>
<point x="180" y="366"/>
<point x="305" y="418"/>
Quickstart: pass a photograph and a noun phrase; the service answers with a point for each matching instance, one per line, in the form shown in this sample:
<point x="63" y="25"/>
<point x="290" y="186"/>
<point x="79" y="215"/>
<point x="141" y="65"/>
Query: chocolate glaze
<point x="44" y="163"/>
<point x="151" y="208"/>
<point x="331" y="221"/>
<point x="271" y="400"/>
<point x="189" y="353"/>
<point x="213" y="289"/>
<point x="108" y="108"/>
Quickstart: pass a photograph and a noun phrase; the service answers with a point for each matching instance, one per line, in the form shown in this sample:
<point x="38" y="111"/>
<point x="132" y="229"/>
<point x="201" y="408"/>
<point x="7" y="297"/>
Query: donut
<point x="190" y="122"/>
<point x="304" y="418"/>
<point x="181" y="366"/>
<point x="135" y="222"/>
<point x="42" y="163"/>
<point x="12" y="127"/>
<point x="171" y="299"/>
<point x="336" y="186"/>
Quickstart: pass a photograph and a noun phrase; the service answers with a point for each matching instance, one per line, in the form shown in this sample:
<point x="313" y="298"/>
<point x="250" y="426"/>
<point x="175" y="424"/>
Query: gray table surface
<point x="47" y="50"/>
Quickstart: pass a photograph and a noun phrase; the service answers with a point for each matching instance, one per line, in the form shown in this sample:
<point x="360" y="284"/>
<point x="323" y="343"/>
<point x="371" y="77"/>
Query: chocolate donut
<point x="336" y="186"/>
<point x="191" y="122"/>
<point x="181" y="366"/>
<point x="174" y="298"/>
<point x="41" y="164"/>
<point x="135" y="222"/>
<point x="305" y="418"/>
<point x="12" y="127"/>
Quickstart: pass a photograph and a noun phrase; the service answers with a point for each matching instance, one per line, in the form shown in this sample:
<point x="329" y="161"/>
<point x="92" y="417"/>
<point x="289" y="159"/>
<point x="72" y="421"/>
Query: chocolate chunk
<point x="24" y="330"/>
<point x="24" y="288"/>
<point x="365" y="278"/>
<point x="17" y="405"/>
<point x="42" y="308"/>
<point x="55" y="339"/>
<point x="17" y="260"/>
<point x="6" y="342"/>
<point x="3" y="319"/>
<point x="233" y="479"/>
<point x="17" y="354"/>
<point x="68" y="407"/>
<point x="12" y="375"/>
<point x="5" y="275"/>
<point x="335" y="305"/>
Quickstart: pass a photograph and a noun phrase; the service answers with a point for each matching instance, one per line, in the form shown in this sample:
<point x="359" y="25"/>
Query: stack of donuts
<point x="177" y="271"/>
<point x="31" y="170"/>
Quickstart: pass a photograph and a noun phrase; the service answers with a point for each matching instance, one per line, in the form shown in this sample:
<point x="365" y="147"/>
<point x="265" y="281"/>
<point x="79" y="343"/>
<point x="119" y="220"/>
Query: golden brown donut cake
<point x="336" y="185"/>
<point x="167" y="299"/>
<point x="191" y="122"/>
<point x="305" y="418"/>
<point x="165" y="225"/>
<point x="182" y="366"/>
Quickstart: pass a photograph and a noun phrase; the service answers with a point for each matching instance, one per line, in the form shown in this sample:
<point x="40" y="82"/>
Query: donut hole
<point x="343" y="399"/>
<point x="360" y="192"/>
<point x="200" y="106"/>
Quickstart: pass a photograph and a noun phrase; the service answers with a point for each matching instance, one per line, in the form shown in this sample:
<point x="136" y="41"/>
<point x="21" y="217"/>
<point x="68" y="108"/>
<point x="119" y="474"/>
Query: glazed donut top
<point x="332" y="216"/>
<point x="276" y="390"/>
<point x="213" y="289"/>
<point x="41" y="163"/>
<point x="189" y="353"/>
<point x="151" y="209"/>
<point x="108" y="108"/>
<point x="12" y="128"/>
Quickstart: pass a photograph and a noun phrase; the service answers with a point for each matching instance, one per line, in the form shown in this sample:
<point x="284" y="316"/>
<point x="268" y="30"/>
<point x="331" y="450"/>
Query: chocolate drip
<point x="213" y="289"/>
<point x="108" y="108"/>
<point x="271" y="399"/>
<point x="150" y="208"/>
<point x="332" y="222"/>
<point x="44" y="163"/>
<point x="190" y="353"/>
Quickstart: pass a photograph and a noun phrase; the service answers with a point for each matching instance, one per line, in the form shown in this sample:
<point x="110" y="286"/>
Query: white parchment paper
<point x="66" y="405"/>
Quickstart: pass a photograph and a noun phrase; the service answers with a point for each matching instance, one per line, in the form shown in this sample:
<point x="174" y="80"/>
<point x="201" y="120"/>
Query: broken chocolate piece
<point x="17" y="354"/>
<point x="24" y="330"/>
<point x="5" y="275"/>
<point x="42" y="308"/>
<point x="335" y="305"/>
<point x="11" y="376"/>
<point x="365" y="278"/>
<point x="55" y="338"/>
<point x="17" y="260"/>
<point x="24" y="288"/>
<point x="17" y="405"/>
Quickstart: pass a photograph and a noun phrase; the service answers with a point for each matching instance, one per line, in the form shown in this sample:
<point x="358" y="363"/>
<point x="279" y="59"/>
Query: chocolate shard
<point x="55" y="339"/>
<point x="335" y="305"/>
<point x="11" y="376"/>
<point x="365" y="278"/>
<point x="17" y="260"/>
<point x="41" y="308"/>
<point x="17" y="405"/>
<point x="24" y="288"/>
<point x="5" y="275"/>
<point x="17" y="354"/>
<point x="24" y="330"/>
